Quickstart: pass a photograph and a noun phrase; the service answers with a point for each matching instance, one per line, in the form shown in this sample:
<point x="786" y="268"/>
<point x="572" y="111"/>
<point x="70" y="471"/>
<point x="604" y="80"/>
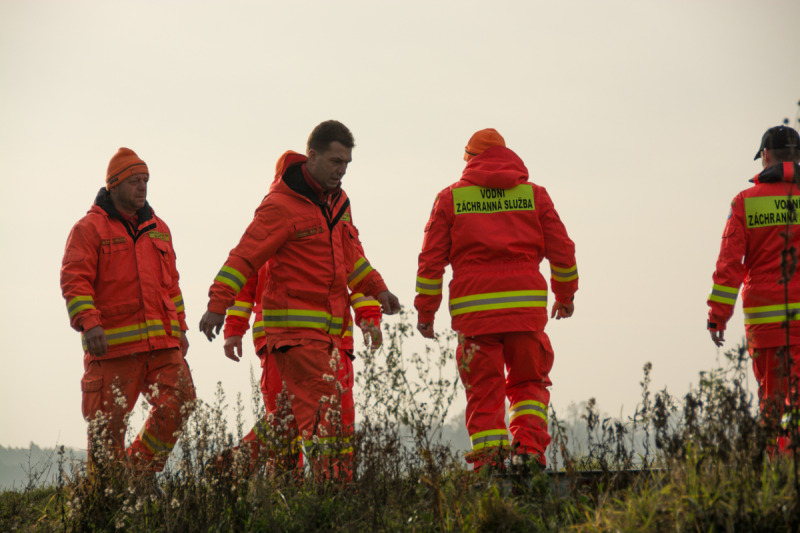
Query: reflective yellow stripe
<point x="328" y="446"/>
<point x="564" y="274"/>
<point x="303" y="318"/>
<point x="492" y="437"/>
<point x="154" y="445"/>
<point x="231" y="277"/>
<point x="723" y="294"/>
<point x="429" y="286"/>
<point x="497" y="300"/>
<point x="528" y="407"/>
<point x="240" y="308"/>
<point x="790" y="418"/>
<point x="475" y="199"/>
<point x="178" y="301"/>
<point x="349" y="331"/>
<point x="78" y="304"/>
<point x="360" y="269"/>
<point x="358" y="300"/>
<point x="771" y="313"/>
<point x="141" y="331"/>
<point x="258" y="329"/>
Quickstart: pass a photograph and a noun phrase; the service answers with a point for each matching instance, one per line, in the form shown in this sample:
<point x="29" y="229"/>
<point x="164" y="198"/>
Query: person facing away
<point x="120" y="281"/>
<point x="494" y="227"/>
<point x="761" y="227"/>
<point x="313" y="259"/>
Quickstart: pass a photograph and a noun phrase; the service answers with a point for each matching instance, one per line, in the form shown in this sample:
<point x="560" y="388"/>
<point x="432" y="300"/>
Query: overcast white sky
<point x="641" y="118"/>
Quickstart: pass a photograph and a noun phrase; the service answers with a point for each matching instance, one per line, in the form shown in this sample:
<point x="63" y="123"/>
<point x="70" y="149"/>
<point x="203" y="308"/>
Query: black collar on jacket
<point x="143" y="215"/>
<point x="294" y="179"/>
<point x="778" y="173"/>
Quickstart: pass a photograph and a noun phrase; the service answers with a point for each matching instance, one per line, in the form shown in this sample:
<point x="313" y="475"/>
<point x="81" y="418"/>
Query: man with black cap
<point x="120" y="282"/>
<point x="762" y="229"/>
<point x="494" y="227"/>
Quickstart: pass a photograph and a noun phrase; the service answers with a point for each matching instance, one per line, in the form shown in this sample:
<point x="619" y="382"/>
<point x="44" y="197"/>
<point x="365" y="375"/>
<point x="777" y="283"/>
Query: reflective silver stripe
<point x="498" y="300"/>
<point x="429" y="286"/>
<point x="489" y="438"/>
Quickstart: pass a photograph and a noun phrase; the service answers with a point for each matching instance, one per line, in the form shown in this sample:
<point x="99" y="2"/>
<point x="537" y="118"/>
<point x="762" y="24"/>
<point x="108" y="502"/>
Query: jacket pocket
<point x="92" y="401"/>
<point x="127" y="308"/>
<point x="165" y="255"/>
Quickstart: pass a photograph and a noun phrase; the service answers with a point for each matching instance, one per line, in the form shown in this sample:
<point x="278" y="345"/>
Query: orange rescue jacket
<point x="494" y="227"/>
<point x="750" y="254"/>
<point x="248" y="302"/>
<point x="312" y="257"/>
<point x="124" y="279"/>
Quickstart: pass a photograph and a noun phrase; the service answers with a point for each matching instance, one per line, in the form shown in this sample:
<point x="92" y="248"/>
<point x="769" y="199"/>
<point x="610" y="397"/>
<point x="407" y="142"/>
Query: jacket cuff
<point x="217" y="307"/>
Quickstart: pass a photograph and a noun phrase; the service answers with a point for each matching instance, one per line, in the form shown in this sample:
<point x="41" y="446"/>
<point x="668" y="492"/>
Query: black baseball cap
<point x="778" y="138"/>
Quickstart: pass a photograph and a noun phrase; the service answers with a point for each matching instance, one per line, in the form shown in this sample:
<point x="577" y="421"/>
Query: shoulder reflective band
<point x="486" y="439"/>
<point x="240" y="308"/>
<point x="474" y="199"/>
<point x="78" y="304"/>
<point x="723" y="294"/>
<point x="528" y="407"/>
<point x="564" y="274"/>
<point x="429" y="286"/>
<point x="771" y="313"/>
<point x="763" y="211"/>
<point x="360" y="269"/>
<point x="178" y="301"/>
<point x="231" y="277"/>
<point x="302" y="318"/>
<point x="497" y="300"/>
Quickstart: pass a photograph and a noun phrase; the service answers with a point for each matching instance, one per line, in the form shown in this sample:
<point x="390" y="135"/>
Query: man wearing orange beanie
<point x="120" y="282"/>
<point x="494" y="227"/>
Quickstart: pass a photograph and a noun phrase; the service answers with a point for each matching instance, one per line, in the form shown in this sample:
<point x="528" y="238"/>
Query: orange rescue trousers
<point x="111" y="388"/>
<point x="494" y="367"/>
<point x="778" y="394"/>
<point x="307" y="390"/>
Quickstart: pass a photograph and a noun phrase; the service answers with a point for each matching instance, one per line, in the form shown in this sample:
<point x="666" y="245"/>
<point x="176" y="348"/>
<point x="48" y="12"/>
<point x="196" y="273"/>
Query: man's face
<point x="130" y="195"/>
<point x="328" y="167"/>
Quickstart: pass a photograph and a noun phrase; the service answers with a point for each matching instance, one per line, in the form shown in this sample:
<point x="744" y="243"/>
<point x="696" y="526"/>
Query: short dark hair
<point x="327" y="132"/>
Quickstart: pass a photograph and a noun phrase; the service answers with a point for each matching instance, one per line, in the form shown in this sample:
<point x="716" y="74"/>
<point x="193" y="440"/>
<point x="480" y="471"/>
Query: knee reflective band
<point x="723" y="294"/>
<point x="791" y="418"/>
<point x="492" y="437"/>
<point x="771" y="313"/>
<point x="528" y="407"/>
<point x="429" y="286"/>
<point x="327" y="446"/>
<point x="497" y="300"/>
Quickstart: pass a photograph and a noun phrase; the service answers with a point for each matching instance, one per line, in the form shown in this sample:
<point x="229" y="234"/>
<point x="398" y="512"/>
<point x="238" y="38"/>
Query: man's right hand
<point x="718" y="337"/>
<point x="233" y="345"/>
<point x="96" y="343"/>
<point x="211" y="323"/>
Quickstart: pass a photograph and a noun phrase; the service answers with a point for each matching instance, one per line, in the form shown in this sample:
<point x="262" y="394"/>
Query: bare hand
<point x="561" y="310"/>
<point x="373" y="337"/>
<point x="233" y="346"/>
<point x="211" y="323"/>
<point x="426" y="329"/>
<point x="718" y="337"/>
<point x="389" y="303"/>
<point x="96" y="343"/>
<point x="184" y="344"/>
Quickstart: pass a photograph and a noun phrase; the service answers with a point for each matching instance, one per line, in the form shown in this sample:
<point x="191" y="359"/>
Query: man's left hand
<point x="211" y="323"/>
